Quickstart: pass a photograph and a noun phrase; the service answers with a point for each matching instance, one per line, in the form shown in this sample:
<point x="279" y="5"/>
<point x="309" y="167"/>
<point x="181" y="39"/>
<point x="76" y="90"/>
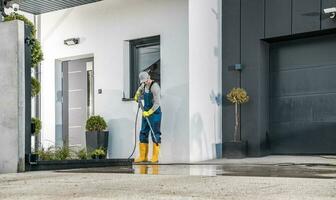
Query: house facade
<point x="188" y="47"/>
<point x="283" y="49"/>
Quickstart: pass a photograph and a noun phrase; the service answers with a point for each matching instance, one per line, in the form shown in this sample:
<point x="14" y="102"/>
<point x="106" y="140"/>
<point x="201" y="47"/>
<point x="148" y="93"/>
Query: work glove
<point x="137" y="96"/>
<point x="148" y="113"/>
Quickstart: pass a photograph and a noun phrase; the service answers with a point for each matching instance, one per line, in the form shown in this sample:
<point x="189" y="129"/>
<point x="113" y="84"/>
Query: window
<point x="144" y="56"/>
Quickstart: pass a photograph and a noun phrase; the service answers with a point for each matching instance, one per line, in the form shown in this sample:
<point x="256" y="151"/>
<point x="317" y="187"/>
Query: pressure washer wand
<point x="149" y="124"/>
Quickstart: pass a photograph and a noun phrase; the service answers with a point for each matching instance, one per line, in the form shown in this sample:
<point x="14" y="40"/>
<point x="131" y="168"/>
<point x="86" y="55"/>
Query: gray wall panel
<point x="252" y="54"/>
<point x="306" y="16"/>
<point x="264" y="98"/>
<point x="231" y="55"/>
<point x="278" y="18"/>
<point x="266" y="19"/>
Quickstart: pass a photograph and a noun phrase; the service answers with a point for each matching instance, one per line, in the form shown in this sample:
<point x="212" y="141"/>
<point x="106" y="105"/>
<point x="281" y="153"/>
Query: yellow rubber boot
<point x="156" y="152"/>
<point x="143" y="147"/>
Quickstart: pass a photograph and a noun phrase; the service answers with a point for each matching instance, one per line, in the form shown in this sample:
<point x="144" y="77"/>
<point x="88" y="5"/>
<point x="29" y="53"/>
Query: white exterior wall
<point x="204" y="78"/>
<point x="103" y="27"/>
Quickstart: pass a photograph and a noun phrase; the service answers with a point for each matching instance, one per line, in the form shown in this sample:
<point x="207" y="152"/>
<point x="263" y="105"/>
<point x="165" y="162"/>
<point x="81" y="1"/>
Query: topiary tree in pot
<point x="237" y="147"/>
<point x="237" y="96"/>
<point x="96" y="134"/>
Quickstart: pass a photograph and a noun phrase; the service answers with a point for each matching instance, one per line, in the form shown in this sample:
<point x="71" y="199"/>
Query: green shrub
<point x="46" y="154"/>
<point x="98" y="153"/>
<point x="37" y="54"/>
<point x="36" y="87"/>
<point x="62" y="153"/>
<point x="82" y="154"/>
<point x="96" y="124"/>
<point x="38" y="125"/>
<point x="16" y="16"/>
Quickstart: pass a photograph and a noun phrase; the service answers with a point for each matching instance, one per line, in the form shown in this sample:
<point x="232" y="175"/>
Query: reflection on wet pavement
<point x="147" y="169"/>
<point x="276" y="170"/>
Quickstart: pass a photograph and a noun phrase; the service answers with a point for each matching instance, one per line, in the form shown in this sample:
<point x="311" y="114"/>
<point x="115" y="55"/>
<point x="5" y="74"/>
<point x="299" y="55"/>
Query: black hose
<point x="135" y="129"/>
<point x="149" y="124"/>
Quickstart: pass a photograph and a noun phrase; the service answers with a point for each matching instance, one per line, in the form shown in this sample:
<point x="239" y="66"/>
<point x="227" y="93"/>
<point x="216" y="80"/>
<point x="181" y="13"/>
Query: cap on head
<point x="143" y="77"/>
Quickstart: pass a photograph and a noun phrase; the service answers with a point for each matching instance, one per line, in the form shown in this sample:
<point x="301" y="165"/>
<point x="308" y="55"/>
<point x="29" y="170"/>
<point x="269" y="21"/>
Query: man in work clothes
<point x="151" y="94"/>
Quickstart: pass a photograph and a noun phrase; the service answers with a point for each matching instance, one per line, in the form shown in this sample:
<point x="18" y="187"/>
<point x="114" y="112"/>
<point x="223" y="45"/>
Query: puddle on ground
<point x="278" y="170"/>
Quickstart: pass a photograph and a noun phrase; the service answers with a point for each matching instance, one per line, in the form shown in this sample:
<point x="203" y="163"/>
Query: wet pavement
<point x="267" y="178"/>
<point x="290" y="170"/>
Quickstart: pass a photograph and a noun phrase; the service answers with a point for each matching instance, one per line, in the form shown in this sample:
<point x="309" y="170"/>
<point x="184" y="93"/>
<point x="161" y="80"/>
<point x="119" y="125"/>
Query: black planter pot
<point x="98" y="157"/>
<point x="33" y="158"/>
<point x="235" y="149"/>
<point x="95" y="140"/>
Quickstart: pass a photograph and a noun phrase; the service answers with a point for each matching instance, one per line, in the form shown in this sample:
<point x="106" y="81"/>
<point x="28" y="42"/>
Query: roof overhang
<point x="44" y="6"/>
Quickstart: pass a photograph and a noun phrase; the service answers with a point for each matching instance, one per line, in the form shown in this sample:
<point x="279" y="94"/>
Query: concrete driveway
<point x="212" y="180"/>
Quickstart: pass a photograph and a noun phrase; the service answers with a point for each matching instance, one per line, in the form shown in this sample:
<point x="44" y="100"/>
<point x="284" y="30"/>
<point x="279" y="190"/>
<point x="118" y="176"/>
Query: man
<point x="151" y="95"/>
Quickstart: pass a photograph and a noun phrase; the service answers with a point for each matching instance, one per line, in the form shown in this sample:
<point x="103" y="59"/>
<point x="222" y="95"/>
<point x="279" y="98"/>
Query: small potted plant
<point x="96" y="134"/>
<point x="236" y="148"/>
<point x="99" y="153"/>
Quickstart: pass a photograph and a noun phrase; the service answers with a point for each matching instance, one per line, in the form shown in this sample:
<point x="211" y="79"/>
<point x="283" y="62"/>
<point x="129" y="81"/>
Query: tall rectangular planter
<point x="95" y="140"/>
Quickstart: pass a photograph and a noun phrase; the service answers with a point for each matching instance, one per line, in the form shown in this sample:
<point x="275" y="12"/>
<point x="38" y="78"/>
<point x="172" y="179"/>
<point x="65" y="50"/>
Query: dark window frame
<point x="134" y="44"/>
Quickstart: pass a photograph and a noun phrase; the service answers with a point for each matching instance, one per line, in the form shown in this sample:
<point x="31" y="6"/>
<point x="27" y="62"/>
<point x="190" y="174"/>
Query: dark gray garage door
<point x="303" y="96"/>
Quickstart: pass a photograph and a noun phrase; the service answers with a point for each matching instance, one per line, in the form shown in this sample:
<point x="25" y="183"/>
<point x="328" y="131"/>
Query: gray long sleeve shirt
<point x="156" y="90"/>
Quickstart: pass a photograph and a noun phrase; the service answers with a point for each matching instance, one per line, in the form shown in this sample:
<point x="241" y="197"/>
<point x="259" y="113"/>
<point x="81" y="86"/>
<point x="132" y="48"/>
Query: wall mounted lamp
<point x="71" y="41"/>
